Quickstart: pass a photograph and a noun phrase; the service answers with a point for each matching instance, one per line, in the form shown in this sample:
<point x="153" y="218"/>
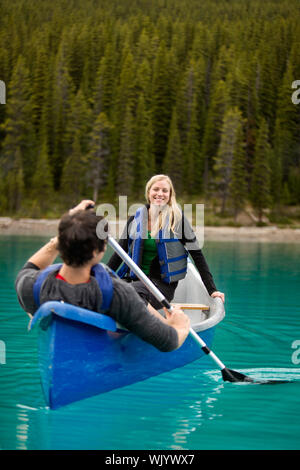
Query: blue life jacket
<point x="172" y="254"/>
<point x="98" y="271"/>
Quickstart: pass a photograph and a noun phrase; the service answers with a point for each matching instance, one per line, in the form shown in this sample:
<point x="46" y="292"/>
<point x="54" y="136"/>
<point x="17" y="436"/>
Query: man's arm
<point x="24" y="287"/>
<point x="174" y="319"/>
<point x="40" y="260"/>
<point x="29" y="273"/>
<point x="130" y="311"/>
<point x="45" y="255"/>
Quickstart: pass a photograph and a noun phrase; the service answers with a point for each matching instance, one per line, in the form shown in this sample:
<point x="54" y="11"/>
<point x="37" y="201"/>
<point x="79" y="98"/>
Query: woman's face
<point x="159" y="193"/>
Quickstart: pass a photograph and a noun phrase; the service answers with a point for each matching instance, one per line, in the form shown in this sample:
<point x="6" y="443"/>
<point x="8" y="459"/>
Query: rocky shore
<point x="271" y="234"/>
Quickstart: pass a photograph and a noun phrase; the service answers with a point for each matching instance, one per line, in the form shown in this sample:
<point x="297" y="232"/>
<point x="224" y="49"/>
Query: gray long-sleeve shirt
<point x="127" y="308"/>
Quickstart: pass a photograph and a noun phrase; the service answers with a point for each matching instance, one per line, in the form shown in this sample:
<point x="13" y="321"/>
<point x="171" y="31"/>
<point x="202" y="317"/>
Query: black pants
<point x="167" y="290"/>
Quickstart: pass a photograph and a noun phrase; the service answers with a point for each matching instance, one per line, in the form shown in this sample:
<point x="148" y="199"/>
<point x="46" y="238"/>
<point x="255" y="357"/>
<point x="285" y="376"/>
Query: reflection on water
<point x="164" y="412"/>
<point x="133" y="410"/>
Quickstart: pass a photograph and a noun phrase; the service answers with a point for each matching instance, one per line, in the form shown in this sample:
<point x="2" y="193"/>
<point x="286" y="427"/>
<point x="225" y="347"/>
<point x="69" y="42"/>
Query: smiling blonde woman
<point x="156" y="238"/>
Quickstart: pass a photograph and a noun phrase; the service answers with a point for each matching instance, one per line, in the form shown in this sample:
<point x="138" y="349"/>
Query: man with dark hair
<point x="77" y="282"/>
<point x="78" y="237"/>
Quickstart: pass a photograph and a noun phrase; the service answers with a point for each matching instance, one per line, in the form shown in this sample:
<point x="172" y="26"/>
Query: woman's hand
<point x="218" y="294"/>
<point x="81" y="206"/>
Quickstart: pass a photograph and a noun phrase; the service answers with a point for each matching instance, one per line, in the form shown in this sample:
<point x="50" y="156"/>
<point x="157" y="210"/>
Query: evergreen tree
<point x="123" y="105"/>
<point x="173" y="162"/>
<point x="18" y="151"/>
<point x="267" y="81"/>
<point x="40" y="78"/>
<point x="212" y="131"/>
<point x="230" y="161"/>
<point x="276" y="179"/>
<point x="99" y="153"/>
<point x="74" y="170"/>
<point x="186" y="99"/>
<point x="46" y="126"/>
<point x="286" y="134"/>
<point x="294" y="185"/>
<point x="14" y="187"/>
<point x="126" y="90"/>
<point x="42" y="187"/>
<point x="238" y="187"/>
<point x="251" y="114"/>
<point x="79" y="124"/>
<point x="76" y="54"/>
<point x="3" y="195"/>
<point x="63" y="92"/>
<point x="260" y="188"/>
<point x="160" y="106"/>
<point x="125" y="176"/>
<point x="193" y="175"/>
<point x="143" y="82"/>
<point x="144" y="166"/>
<point x="143" y="53"/>
<point x="99" y="104"/>
<point x="105" y="81"/>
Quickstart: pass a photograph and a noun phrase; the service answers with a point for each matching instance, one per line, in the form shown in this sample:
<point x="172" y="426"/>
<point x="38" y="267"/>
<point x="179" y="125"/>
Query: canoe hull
<point x="78" y="361"/>
<point x="84" y="353"/>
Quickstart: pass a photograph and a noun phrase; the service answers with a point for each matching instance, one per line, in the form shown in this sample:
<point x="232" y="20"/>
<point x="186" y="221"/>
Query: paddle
<point x="227" y="374"/>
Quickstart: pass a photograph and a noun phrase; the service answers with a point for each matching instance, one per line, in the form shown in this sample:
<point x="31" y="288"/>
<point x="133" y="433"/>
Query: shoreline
<point x="270" y="234"/>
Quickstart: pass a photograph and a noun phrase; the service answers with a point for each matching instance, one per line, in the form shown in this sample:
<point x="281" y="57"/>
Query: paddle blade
<point x="230" y="375"/>
<point x="234" y="376"/>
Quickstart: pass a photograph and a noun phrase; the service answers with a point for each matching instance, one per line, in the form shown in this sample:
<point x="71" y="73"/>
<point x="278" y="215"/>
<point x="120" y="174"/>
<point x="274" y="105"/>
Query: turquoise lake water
<point x="183" y="409"/>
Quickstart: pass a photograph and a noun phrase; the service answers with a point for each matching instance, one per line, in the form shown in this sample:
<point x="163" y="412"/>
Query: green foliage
<point x="230" y="165"/>
<point x="125" y="171"/>
<point x="261" y="189"/>
<point x="144" y="165"/>
<point x="98" y="156"/>
<point x="173" y="164"/>
<point x="17" y="157"/>
<point x="41" y="187"/>
<point x="101" y="95"/>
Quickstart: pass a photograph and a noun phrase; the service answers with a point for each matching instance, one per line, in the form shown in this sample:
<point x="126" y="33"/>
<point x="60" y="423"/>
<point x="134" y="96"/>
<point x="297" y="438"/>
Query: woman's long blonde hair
<point x="171" y="211"/>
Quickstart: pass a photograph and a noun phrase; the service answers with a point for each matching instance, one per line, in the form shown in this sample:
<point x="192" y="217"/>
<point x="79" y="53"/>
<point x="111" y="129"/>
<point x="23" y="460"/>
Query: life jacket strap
<point x="40" y="279"/>
<point x="102" y="275"/>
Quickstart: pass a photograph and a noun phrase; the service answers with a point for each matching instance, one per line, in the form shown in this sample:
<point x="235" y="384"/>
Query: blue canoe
<point x="83" y="353"/>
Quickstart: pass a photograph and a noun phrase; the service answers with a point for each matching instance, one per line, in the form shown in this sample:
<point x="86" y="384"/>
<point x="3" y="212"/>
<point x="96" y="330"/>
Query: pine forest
<point x="103" y="94"/>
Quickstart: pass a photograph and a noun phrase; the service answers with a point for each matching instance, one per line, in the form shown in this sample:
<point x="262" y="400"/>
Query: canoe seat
<point x="191" y="306"/>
